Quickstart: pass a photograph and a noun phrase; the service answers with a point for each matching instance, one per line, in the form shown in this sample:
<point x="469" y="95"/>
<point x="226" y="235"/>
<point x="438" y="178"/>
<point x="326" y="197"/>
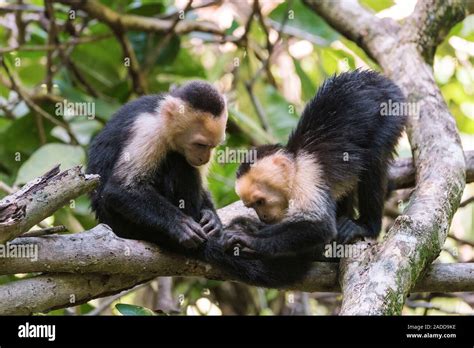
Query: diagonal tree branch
<point x="40" y="198"/>
<point x="379" y="282"/>
<point x="139" y="23"/>
<point x="431" y="22"/>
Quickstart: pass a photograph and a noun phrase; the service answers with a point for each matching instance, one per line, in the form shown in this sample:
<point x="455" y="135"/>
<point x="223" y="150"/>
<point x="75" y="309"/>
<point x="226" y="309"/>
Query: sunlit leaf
<point x="128" y="309"/>
<point x="46" y="157"/>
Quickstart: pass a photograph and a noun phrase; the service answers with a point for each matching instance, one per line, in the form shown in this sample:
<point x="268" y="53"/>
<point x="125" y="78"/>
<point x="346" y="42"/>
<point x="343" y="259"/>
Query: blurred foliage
<point x="309" y="51"/>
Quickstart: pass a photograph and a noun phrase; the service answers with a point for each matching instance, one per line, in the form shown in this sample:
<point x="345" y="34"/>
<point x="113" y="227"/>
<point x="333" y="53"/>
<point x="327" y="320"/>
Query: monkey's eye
<point x="202" y="146"/>
<point x="260" y="202"/>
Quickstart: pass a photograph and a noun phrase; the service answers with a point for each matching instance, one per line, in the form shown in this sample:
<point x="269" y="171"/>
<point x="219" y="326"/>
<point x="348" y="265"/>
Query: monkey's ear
<point x="172" y="106"/>
<point x="282" y="161"/>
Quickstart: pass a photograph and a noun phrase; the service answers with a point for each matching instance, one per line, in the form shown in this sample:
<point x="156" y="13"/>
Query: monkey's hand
<point x="243" y="242"/>
<point x="189" y="233"/>
<point x="210" y="222"/>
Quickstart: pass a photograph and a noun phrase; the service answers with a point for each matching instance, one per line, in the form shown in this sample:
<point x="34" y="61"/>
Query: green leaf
<point x="250" y="126"/>
<point x="84" y="130"/>
<point x="282" y="116"/>
<point x="221" y="182"/>
<point x="144" y="8"/>
<point x="128" y="309"/>
<point x="101" y="63"/>
<point x="185" y="65"/>
<point x="302" y="18"/>
<point x="377" y="5"/>
<point x="307" y="86"/>
<point x="47" y="157"/>
<point x="19" y="140"/>
<point x="145" y="44"/>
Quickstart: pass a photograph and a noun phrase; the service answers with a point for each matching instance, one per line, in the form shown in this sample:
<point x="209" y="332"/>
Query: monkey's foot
<point x="348" y="231"/>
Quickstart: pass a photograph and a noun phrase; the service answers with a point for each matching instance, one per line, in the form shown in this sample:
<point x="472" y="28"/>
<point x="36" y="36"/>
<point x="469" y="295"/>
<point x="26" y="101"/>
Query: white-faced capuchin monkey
<point x="151" y="157"/>
<point x="338" y="154"/>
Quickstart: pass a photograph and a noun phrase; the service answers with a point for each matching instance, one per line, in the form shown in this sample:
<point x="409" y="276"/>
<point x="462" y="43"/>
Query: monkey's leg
<point x="145" y="207"/>
<point x="345" y="206"/>
<point x="372" y="190"/>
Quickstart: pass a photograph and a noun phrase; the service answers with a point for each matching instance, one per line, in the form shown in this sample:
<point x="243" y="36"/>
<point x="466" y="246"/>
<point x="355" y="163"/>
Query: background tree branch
<point x="139" y="23"/>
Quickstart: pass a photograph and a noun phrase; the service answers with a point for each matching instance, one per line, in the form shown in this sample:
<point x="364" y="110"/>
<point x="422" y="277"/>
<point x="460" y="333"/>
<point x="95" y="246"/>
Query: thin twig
<point x="466" y="202"/>
<point x="460" y="240"/>
<point x="257" y="106"/>
<point x="45" y="231"/>
<point x="5" y="188"/>
<point x="65" y="45"/>
<point x="265" y="64"/>
<point x="51" y="41"/>
<point x="194" y="8"/>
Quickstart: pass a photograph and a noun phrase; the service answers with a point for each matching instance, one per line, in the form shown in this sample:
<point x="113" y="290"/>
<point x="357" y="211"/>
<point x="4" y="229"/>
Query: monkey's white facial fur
<point x="193" y="133"/>
<point x="279" y="186"/>
<point x="266" y="187"/>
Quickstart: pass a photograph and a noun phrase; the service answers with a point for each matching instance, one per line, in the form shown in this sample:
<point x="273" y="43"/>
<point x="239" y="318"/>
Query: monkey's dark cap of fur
<point x="262" y="151"/>
<point x="201" y="96"/>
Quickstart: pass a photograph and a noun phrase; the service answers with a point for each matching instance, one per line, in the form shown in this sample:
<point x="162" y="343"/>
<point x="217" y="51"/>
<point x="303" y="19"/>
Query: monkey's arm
<point x="284" y="239"/>
<point x="144" y="206"/>
<point x="210" y="221"/>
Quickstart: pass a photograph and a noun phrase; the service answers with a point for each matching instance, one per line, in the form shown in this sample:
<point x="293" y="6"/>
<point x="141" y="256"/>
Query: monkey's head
<point x="265" y="185"/>
<point x="195" y="115"/>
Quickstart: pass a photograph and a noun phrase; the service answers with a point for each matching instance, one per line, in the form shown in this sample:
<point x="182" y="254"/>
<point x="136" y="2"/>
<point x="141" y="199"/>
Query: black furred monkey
<point x="338" y="154"/>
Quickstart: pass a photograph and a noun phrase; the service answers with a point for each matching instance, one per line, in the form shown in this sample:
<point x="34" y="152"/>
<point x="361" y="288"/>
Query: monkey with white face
<point x="152" y="158"/>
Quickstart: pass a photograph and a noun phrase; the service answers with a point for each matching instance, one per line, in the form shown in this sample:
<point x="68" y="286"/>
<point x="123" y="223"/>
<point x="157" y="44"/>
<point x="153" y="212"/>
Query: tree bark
<point x="40" y="198"/>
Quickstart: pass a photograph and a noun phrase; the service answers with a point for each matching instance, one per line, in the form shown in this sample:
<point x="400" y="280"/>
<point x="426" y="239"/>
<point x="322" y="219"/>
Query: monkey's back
<point x="107" y="146"/>
<point x="343" y="126"/>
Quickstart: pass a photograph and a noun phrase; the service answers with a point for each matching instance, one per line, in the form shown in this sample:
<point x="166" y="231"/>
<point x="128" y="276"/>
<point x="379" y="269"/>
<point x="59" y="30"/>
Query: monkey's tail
<point x="276" y="272"/>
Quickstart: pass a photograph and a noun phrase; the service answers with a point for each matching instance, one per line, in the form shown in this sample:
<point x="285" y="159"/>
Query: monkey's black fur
<point x="147" y="209"/>
<point x="201" y="96"/>
<point x="344" y="128"/>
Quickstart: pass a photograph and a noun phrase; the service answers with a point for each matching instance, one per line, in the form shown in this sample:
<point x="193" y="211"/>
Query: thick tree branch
<point x="402" y="172"/>
<point x="379" y="282"/>
<point x="53" y="291"/>
<point x="431" y="22"/>
<point x="83" y="266"/>
<point x="40" y="198"/>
